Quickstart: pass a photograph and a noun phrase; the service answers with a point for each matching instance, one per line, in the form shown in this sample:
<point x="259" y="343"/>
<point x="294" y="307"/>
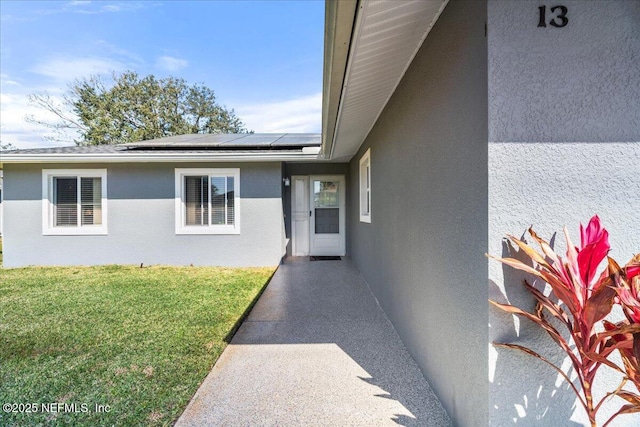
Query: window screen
<point x="65" y="203"/>
<point x="196" y="200"/>
<point x="91" y="201"/>
<point x="74" y="202"/>
<point x="209" y="200"/>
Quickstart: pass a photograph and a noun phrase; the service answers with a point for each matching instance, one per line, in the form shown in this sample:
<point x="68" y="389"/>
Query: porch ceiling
<point x="385" y="37"/>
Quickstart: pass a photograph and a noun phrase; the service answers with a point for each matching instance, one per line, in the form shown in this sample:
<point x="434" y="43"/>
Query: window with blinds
<point x="91" y="201"/>
<point x="196" y="200"/>
<point x="65" y="204"/>
<point x="207" y="201"/>
<point x="73" y="201"/>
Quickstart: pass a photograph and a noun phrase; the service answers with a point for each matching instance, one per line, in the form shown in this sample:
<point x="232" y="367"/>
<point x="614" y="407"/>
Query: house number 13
<point x="558" y="19"/>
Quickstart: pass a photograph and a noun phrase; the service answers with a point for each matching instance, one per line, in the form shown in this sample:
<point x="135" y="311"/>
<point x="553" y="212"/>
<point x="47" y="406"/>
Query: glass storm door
<point x="327" y="219"/>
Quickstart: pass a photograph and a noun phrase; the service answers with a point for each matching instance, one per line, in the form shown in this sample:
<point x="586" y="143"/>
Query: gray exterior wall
<point x="564" y="132"/>
<point x="141" y="220"/>
<point x="291" y="169"/>
<point x="423" y="253"/>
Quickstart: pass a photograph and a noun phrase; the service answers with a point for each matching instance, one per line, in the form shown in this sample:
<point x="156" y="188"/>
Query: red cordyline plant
<point x="584" y="299"/>
<point x="624" y="335"/>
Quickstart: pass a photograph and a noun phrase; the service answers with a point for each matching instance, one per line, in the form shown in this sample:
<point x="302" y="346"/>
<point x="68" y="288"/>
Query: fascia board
<point x="153" y="158"/>
<point x="339" y="23"/>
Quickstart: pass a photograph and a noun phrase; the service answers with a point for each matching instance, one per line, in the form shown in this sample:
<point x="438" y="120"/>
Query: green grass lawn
<point x="140" y="340"/>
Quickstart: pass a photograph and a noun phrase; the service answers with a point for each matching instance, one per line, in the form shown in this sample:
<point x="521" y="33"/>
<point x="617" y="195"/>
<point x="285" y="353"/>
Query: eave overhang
<point x="150" y="157"/>
<point x="384" y="37"/>
<point x="339" y="22"/>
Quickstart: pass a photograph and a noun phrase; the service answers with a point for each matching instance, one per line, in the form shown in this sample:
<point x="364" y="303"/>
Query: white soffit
<point x="386" y="37"/>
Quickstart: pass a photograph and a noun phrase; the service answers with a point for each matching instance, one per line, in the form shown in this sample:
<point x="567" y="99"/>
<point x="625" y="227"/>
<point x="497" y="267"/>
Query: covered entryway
<point x="318" y="215"/>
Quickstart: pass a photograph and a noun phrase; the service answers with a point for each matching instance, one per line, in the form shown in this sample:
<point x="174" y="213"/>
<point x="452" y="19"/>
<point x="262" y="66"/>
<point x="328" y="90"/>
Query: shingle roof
<point x="193" y="144"/>
<point x="181" y="148"/>
<point x="246" y="140"/>
<point x="85" y="149"/>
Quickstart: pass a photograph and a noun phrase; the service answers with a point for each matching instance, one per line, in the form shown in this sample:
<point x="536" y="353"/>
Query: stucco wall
<point x="423" y="253"/>
<point x="564" y="126"/>
<point x="141" y="220"/>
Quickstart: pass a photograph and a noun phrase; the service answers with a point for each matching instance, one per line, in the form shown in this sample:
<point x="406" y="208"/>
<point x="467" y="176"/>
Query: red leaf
<point x="531" y="253"/>
<point x="560" y="371"/>
<point x="601" y="359"/>
<point x="630" y="397"/>
<point x="599" y="305"/>
<point x="590" y="257"/>
<point x="552" y="307"/>
<point x="544" y="245"/>
<point x="553" y="333"/>
<point x="515" y="263"/>
<point x="562" y="290"/>
<point x="626" y="409"/>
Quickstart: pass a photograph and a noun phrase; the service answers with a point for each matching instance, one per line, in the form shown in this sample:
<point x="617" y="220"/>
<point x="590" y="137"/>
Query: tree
<point x="133" y="108"/>
<point x="7" y="146"/>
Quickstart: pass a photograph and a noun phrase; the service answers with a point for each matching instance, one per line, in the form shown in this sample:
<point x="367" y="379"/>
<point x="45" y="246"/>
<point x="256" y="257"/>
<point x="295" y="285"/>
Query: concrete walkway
<point x="316" y="350"/>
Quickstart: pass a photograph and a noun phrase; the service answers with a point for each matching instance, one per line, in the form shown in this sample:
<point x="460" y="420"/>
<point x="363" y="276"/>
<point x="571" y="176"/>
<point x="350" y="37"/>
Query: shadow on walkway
<point x="315" y="350"/>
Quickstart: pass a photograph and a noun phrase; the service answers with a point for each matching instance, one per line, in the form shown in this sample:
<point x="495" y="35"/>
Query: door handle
<point x="309" y="213"/>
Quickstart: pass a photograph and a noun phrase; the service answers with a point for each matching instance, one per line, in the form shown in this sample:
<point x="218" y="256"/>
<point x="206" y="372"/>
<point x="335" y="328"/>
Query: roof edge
<point x="305" y="155"/>
<point x="407" y="65"/>
<point x="340" y="19"/>
<point x="333" y="132"/>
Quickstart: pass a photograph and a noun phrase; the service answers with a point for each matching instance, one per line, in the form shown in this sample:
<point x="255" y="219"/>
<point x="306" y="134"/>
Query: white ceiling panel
<point x="386" y="37"/>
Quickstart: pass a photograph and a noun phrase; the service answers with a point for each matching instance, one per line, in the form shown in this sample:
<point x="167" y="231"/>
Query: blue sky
<point x="262" y="58"/>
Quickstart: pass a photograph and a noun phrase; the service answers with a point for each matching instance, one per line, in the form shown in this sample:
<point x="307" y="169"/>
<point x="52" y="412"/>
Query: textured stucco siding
<point x="579" y="83"/>
<point x="564" y="132"/>
<point x="423" y="252"/>
<point x="141" y="220"/>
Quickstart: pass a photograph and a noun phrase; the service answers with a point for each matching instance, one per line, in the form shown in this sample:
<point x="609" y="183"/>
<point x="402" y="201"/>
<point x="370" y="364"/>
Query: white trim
<point x="357" y="29"/>
<point x="125" y="157"/>
<point x="365" y="186"/>
<point x="406" y="67"/>
<point x="48" y="229"/>
<point x="314" y="239"/>
<point x="354" y="44"/>
<point x="180" y="207"/>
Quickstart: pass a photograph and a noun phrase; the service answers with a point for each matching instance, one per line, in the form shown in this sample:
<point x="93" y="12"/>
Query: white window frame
<point x="181" y="227"/>
<point x="48" y="226"/>
<point x="364" y="172"/>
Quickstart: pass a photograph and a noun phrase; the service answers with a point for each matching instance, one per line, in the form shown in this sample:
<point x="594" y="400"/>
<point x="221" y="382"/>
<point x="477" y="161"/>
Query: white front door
<point x="300" y="215"/>
<point x="327" y="218"/>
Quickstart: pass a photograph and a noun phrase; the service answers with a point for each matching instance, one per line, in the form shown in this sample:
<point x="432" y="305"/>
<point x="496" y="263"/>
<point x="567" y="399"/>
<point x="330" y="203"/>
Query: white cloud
<point x="67" y="70"/>
<point x="95" y="7"/>
<point x="112" y="8"/>
<point x="5" y="80"/>
<point x="58" y="73"/>
<point x="298" y="115"/>
<point x="133" y="60"/>
<point x="171" y="64"/>
<point x="14" y="129"/>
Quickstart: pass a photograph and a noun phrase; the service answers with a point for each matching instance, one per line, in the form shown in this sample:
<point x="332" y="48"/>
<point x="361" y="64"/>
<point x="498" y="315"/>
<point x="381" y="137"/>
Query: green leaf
<point x="132" y="108"/>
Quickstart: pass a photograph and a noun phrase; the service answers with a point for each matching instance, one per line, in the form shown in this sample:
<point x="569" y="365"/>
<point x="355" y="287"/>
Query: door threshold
<point x="325" y="258"/>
